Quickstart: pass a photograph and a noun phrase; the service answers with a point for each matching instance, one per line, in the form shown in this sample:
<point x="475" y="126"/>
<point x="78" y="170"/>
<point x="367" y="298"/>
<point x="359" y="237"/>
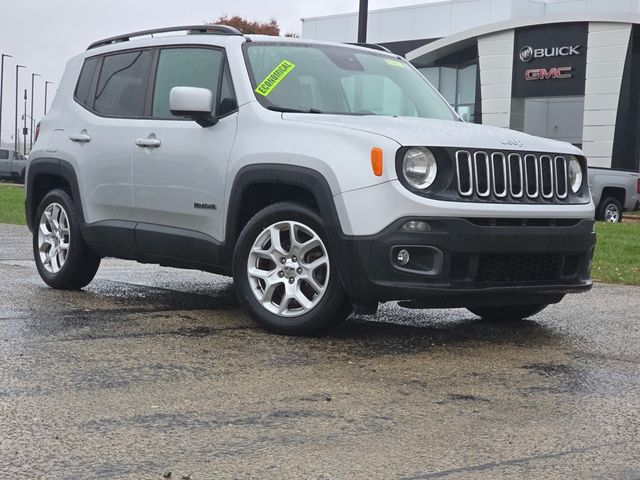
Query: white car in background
<point x="12" y="165"/>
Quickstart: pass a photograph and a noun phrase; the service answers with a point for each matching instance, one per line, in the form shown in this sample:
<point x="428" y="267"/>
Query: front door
<point x="179" y="167"/>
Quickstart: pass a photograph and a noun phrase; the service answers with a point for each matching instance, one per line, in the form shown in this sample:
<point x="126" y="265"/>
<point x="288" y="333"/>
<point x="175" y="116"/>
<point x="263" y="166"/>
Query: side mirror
<point x="194" y="103"/>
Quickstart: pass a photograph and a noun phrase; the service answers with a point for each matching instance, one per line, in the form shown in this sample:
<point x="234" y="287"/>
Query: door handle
<point x="82" y="137"/>
<point x="148" y="142"/>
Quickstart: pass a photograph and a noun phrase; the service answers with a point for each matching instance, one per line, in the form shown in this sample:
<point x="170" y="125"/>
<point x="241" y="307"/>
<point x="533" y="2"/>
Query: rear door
<point x="112" y="97"/>
<point x="179" y="183"/>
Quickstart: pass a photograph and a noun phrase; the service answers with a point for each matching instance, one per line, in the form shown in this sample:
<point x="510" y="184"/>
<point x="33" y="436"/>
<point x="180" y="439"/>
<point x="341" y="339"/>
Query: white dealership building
<point x="563" y="69"/>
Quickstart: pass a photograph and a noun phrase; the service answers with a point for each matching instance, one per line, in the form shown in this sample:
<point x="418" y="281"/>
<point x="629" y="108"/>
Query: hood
<point x="412" y="131"/>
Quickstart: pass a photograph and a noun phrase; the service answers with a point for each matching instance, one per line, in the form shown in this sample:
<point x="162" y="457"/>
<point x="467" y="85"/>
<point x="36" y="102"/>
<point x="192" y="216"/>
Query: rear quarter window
<point x="83" y="87"/>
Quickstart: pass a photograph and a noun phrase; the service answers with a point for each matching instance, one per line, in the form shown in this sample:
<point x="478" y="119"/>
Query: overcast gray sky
<point x="43" y="34"/>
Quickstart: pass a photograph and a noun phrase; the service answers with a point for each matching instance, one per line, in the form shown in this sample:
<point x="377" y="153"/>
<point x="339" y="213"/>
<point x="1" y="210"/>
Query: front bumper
<point x="470" y="262"/>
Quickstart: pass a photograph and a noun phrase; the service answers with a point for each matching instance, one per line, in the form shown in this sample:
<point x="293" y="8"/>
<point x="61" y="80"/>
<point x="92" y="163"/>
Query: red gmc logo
<point x="547" y="73"/>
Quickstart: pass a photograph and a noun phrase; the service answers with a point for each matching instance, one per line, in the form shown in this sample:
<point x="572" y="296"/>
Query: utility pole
<point x="46" y="84"/>
<point x="15" y="133"/>
<point x="24" y="129"/>
<point x="2" y="56"/>
<point x="362" y="21"/>
<point x="31" y="123"/>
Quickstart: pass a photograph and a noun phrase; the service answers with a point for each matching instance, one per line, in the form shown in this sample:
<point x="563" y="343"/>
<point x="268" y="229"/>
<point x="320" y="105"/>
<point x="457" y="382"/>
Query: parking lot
<point x="155" y="372"/>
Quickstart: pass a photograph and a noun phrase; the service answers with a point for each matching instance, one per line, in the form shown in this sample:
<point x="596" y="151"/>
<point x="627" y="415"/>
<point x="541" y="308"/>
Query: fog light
<point x="403" y="257"/>
<point x="416" y="226"/>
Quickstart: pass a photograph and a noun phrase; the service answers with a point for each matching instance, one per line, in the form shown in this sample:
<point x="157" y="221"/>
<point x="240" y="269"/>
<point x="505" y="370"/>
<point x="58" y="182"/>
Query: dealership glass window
<point x="377" y="94"/>
<point x="433" y="75"/>
<point x="448" y="84"/>
<point x="457" y="85"/>
<point x="466" y="92"/>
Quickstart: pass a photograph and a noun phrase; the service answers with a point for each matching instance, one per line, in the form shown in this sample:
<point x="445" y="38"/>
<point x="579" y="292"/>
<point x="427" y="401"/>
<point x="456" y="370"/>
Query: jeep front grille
<point x="511" y="176"/>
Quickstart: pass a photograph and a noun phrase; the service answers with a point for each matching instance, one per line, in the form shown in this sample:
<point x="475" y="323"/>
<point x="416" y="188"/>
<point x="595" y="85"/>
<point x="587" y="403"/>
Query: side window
<point x="185" y="67"/>
<point x="122" y="84"/>
<point x="4" y="154"/>
<point x="84" y="81"/>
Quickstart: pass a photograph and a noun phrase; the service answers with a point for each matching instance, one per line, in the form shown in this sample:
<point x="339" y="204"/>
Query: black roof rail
<point x="190" y="29"/>
<point x="373" y="46"/>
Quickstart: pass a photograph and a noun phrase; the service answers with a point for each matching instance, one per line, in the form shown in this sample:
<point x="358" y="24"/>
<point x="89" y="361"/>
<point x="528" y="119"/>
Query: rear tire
<point x="284" y="272"/>
<point x="63" y="259"/>
<point x="610" y="210"/>
<point x="507" y="313"/>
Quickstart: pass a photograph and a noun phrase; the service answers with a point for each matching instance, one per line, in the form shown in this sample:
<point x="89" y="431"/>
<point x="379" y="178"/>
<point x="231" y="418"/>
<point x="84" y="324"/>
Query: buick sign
<point x="528" y="53"/>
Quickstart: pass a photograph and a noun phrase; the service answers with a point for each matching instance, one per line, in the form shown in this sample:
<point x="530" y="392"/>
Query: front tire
<point x="63" y="259"/>
<point x="285" y="274"/>
<point x="507" y="313"/>
<point x="610" y="210"/>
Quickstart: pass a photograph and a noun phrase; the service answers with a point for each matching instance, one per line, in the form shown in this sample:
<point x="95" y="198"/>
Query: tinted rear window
<point x="4" y="154"/>
<point x="122" y="84"/>
<point x="84" y="81"/>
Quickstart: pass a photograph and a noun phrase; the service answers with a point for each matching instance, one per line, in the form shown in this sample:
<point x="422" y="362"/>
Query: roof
<point x="440" y="47"/>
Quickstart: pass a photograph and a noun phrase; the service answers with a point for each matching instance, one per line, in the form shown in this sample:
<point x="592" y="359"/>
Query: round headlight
<point x="419" y="167"/>
<point x="575" y="174"/>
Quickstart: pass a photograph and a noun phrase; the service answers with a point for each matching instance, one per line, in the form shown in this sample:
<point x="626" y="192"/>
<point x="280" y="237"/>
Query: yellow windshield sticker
<point x="394" y="63"/>
<point x="272" y="80"/>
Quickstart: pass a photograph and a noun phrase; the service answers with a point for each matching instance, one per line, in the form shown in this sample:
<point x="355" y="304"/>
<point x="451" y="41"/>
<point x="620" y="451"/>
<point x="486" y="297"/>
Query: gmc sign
<point x="548" y="73"/>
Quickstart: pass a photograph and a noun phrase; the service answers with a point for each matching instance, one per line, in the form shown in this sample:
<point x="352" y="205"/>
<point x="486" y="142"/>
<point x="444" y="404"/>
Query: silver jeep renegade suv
<point x="324" y="178"/>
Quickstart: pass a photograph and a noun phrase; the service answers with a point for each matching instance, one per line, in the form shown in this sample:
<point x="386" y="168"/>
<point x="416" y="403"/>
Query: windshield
<point x="340" y="80"/>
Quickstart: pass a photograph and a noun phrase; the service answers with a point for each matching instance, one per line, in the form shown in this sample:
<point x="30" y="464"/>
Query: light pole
<point x="24" y="128"/>
<point x="33" y="76"/>
<point x="46" y="84"/>
<point x="15" y="134"/>
<point x="2" y="56"/>
<point x="362" y="21"/>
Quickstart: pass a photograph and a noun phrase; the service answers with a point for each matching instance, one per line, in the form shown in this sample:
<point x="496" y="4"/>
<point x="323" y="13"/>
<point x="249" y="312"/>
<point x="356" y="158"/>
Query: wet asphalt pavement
<point x="152" y="371"/>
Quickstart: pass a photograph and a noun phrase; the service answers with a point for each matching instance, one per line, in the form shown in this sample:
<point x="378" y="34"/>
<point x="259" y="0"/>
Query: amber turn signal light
<point x="376" y="161"/>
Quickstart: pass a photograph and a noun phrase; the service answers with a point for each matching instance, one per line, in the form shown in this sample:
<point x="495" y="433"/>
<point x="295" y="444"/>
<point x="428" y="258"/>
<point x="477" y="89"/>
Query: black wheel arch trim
<point x="55" y="167"/>
<point x="280" y="174"/>
<point x="293" y="175"/>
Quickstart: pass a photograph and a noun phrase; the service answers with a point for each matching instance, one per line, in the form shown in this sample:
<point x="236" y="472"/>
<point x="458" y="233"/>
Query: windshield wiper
<point x="293" y="110"/>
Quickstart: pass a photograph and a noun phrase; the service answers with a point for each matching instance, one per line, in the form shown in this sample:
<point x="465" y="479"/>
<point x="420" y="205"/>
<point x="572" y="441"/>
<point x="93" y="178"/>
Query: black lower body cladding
<point x="461" y="262"/>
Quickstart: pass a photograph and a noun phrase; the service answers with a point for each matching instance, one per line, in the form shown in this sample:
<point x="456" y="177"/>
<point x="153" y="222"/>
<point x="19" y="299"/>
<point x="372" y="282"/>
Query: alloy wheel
<point x="288" y="268"/>
<point x="53" y="238"/>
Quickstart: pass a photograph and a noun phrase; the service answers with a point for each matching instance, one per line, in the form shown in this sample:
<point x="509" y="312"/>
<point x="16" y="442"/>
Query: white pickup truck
<point x="614" y="191"/>
<point x="12" y="165"/>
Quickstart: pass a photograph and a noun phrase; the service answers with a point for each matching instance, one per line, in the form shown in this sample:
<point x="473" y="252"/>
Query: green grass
<point x="617" y="258"/>
<point x="12" y="204"/>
